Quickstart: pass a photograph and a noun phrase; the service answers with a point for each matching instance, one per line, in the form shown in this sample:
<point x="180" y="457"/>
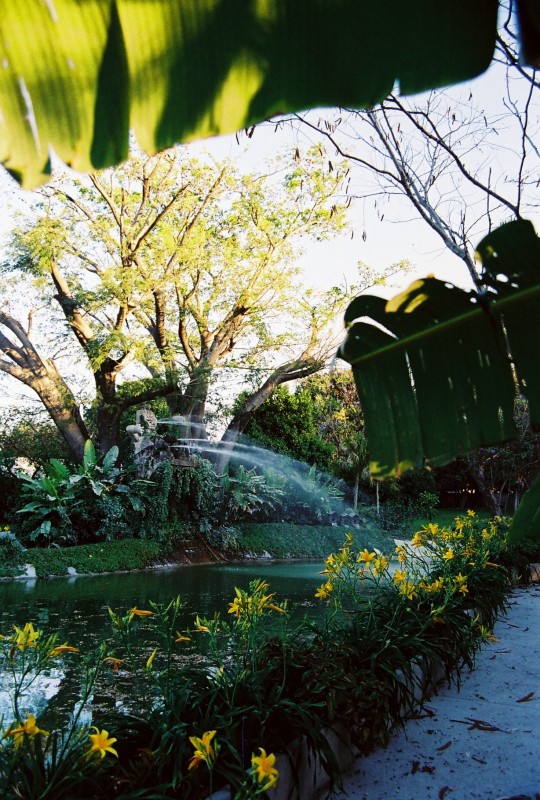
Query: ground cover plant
<point x="213" y="704"/>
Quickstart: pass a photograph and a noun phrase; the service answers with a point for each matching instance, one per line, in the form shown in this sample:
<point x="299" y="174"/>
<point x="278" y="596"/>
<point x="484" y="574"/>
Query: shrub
<point x="180" y="495"/>
<point x="88" y="503"/>
<point x="11" y="554"/>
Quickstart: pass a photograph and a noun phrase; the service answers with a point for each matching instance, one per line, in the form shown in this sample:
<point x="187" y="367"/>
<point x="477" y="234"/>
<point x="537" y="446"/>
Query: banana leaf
<point x="452" y="362"/>
<point x="78" y="76"/>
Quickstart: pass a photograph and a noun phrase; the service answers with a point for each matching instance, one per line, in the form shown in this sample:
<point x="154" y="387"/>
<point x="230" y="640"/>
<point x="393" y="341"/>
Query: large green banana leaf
<point x="77" y="75"/>
<point x="437" y="368"/>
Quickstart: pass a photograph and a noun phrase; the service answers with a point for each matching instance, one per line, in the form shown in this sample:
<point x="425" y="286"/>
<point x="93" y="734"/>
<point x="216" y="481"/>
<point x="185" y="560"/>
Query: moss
<point x="283" y="540"/>
<point x="126" y="554"/>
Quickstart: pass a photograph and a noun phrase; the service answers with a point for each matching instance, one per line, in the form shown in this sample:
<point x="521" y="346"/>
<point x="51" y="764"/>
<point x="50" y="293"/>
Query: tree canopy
<point x="174" y="266"/>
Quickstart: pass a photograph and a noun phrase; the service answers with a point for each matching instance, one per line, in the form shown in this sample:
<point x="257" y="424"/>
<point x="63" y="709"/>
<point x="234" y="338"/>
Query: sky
<point x="326" y="263"/>
<point x="386" y="242"/>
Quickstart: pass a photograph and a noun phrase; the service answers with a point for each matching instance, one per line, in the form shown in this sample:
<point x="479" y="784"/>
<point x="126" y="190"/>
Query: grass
<point x="444" y="517"/>
<point x="283" y="540"/>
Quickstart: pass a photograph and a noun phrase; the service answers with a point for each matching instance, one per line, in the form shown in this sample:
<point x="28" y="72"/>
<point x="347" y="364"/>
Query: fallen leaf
<point x="526" y="698"/>
<point x="424" y="768"/>
<point x="480" y="725"/>
<point x="426" y="712"/>
<point x="444" y="791"/>
<point x="444" y="746"/>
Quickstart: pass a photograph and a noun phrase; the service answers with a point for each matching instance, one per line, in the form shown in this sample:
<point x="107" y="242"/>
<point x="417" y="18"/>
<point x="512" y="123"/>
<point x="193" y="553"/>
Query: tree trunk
<point x="287" y="372"/>
<point x="63" y="409"/>
<point x="488" y="497"/>
<point x="355" y="492"/>
<point x="192" y="403"/>
<point x="109" y="410"/>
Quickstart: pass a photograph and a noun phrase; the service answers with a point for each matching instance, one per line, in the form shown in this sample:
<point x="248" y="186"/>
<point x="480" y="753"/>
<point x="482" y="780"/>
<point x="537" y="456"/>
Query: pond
<point x="77" y="607"/>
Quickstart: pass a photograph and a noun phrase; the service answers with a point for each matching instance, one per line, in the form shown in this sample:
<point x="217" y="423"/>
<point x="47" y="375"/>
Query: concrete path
<point x="479" y="743"/>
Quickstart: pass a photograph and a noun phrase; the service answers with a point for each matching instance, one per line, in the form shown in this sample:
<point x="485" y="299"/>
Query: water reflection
<point x="77" y="608"/>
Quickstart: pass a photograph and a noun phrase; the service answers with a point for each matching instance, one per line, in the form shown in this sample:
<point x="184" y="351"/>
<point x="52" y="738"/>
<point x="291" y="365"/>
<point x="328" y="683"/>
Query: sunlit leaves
<point x="77" y="76"/>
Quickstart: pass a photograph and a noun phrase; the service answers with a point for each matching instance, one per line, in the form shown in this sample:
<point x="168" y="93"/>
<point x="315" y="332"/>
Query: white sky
<point x="387" y="242"/>
<point x="327" y="263"/>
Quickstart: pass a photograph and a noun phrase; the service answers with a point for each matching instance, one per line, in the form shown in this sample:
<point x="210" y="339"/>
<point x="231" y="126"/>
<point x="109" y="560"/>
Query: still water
<point x="76" y="608"/>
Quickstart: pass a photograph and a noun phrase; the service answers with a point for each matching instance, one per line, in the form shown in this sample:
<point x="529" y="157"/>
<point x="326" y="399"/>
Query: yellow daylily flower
<point x="399" y="576"/>
<point x="471" y="513"/>
<point x="264" y="769"/>
<point x="401" y="554"/>
<point x="408" y="589"/>
<point x="366" y="556"/>
<point x="436" y="586"/>
<point x="151" y="659"/>
<point x="449" y="555"/>
<point x="28" y="728"/>
<point x="235" y="607"/>
<point x="203" y="750"/>
<point x="140" y="612"/>
<point x="25" y="637"/>
<point x="417" y="540"/>
<point x="380" y="564"/>
<point x="199" y="627"/>
<point x="324" y="591"/>
<point x="63" y="648"/>
<point x="181" y="638"/>
<point x="114" y="662"/>
<point x="102" y="743"/>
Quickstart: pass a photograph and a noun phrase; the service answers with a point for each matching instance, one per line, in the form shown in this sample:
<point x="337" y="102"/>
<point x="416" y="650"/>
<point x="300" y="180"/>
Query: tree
<point x="174" y="265"/>
<point x="289" y="423"/>
<point x="417" y="47"/>
<point x="503" y="474"/>
<point x="459" y="166"/>
<point x="26" y="433"/>
<point x="320" y="423"/>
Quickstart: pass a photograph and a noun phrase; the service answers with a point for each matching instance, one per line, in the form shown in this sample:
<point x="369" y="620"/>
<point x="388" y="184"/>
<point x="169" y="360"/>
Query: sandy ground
<point x="481" y="742"/>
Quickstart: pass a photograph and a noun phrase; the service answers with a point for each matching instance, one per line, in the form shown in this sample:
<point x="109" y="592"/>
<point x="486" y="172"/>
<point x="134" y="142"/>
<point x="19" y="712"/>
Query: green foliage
<point x="289" y="424"/>
<point x="11" y="554"/>
<point x="28" y="434"/>
<point x="285" y="540"/>
<point x="180" y="495"/>
<point x="413" y="495"/>
<point x="69" y="506"/>
<point x="419" y="406"/>
<point x="244" y="492"/>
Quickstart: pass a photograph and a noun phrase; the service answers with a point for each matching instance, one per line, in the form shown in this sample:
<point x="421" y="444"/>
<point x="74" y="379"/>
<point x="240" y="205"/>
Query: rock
<point x="29" y="571"/>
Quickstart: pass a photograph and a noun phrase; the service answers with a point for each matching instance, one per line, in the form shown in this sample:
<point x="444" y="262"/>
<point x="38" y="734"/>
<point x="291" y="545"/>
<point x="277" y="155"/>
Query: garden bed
<point x="264" y="682"/>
